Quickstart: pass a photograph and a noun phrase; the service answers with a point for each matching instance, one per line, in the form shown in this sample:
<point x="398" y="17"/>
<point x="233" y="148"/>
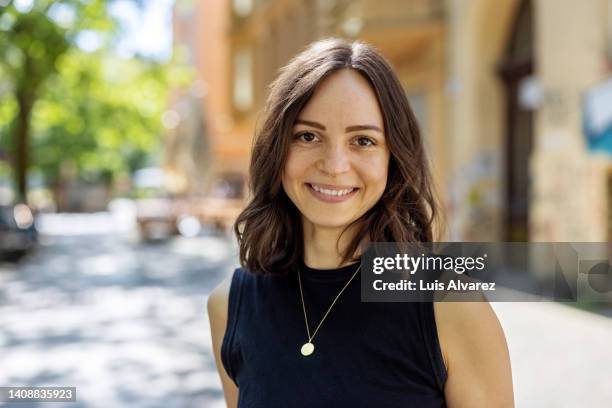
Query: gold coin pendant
<point x="307" y="349"/>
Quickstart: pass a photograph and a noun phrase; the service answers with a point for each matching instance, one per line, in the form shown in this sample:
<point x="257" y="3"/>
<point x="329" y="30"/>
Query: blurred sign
<point x="597" y="117"/>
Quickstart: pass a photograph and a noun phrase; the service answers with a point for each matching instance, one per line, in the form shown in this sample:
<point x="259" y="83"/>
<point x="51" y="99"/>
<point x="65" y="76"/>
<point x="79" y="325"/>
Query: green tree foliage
<point x="103" y="114"/>
<point x="60" y="104"/>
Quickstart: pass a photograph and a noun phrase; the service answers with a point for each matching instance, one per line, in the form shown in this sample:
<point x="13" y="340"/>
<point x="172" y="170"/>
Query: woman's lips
<point x="329" y="198"/>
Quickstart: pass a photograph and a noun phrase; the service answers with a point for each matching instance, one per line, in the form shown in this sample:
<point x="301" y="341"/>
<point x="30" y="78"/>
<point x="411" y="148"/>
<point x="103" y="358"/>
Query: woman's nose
<point x="335" y="161"/>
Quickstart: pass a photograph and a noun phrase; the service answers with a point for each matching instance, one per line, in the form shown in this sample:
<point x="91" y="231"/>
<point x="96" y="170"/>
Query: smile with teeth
<point x="330" y="192"/>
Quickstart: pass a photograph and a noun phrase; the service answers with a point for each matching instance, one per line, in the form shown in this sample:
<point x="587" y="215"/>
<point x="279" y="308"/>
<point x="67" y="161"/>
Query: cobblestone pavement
<point x="122" y="321"/>
<point x="126" y="324"/>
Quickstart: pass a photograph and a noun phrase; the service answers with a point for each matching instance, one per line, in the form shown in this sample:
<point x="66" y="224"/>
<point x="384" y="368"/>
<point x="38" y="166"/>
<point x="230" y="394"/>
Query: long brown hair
<point x="269" y="230"/>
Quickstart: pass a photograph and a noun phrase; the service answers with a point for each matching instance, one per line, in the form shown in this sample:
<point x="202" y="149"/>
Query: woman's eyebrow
<point x="348" y="129"/>
<point x="310" y="123"/>
<point x="363" y="127"/>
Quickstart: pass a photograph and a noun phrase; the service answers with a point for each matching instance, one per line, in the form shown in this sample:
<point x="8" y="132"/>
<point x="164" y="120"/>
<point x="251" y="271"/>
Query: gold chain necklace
<point x="308" y="348"/>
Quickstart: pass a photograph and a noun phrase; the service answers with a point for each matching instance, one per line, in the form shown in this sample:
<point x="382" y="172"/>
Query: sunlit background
<point x="125" y="133"/>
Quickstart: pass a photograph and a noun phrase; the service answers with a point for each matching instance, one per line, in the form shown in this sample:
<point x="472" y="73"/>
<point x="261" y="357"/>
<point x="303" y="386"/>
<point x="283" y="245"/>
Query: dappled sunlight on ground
<point x="124" y="322"/>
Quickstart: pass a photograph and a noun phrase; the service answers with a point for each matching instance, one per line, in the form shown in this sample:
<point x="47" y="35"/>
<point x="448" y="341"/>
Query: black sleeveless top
<point x="383" y="355"/>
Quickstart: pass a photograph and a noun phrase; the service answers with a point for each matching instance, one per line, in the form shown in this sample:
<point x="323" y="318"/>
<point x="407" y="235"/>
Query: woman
<point x="339" y="162"/>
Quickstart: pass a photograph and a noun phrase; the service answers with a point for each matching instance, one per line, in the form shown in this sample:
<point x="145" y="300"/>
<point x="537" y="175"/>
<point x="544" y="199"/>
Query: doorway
<point x="515" y="68"/>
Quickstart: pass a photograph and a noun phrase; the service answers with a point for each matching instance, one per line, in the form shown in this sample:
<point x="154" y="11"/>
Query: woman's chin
<point x="329" y="223"/>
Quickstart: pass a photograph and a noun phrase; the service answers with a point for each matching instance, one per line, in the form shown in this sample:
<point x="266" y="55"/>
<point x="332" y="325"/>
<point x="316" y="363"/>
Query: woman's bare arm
<point x="217" y="314"/>
<point x="475" y="351"/>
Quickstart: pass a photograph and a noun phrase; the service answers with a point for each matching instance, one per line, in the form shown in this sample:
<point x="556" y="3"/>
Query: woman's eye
<point x="307" y="137"/>
<point x="365" y="141"/>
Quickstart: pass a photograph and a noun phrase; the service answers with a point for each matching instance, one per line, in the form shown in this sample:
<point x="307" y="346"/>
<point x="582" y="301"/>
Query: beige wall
<point x="571" y="55"/>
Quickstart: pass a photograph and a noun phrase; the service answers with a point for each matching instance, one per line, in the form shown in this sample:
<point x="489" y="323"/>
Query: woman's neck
<point x="321" y="247"/>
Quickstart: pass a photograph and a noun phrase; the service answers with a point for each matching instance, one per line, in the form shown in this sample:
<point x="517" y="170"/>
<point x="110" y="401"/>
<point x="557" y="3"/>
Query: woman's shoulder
<point x="218" y="299"/>
<point x="459" y="319"/>
<point x="472" y="342"/>
<point x="462" y="324"/>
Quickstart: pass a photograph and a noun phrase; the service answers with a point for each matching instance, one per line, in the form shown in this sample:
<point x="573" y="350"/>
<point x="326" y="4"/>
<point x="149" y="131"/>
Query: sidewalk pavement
<point x="560" y="356"/>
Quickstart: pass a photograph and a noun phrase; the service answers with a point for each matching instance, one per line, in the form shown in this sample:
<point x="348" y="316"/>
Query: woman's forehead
<point x="345" y="98"/>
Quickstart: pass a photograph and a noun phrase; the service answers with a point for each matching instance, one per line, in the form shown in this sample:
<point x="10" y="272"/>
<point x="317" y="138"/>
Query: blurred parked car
<point x="160" y="216"/>
<point x="221" y="213"/>
<point x="155" y="214"/>
<point x="156" y="218"/>
<point x="224" y="202"/>
<point x="18" y="232"/>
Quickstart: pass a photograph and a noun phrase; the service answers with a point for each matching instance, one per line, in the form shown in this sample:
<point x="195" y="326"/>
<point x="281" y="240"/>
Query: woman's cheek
<point x="290" y="166"/>
<point x="301" y="162"/>
<point x="375" y="168"/>
<point x="295" y="171"/>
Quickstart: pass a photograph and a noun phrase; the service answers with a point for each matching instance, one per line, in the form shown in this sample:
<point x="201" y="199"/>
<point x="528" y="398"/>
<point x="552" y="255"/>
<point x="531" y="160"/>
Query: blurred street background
<point x="125" y="133"/>
<point x="123" y="322"/>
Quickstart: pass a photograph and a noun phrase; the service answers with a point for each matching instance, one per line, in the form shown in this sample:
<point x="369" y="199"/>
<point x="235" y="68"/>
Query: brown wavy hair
<point x="269" y="230"/>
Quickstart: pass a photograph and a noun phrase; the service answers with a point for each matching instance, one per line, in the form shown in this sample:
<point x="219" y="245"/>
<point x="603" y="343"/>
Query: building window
<point x="243" y="80"/>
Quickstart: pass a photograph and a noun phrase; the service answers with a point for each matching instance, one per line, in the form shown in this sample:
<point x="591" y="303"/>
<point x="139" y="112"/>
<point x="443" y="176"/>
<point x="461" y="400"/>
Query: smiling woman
<point x="338" y="163"/>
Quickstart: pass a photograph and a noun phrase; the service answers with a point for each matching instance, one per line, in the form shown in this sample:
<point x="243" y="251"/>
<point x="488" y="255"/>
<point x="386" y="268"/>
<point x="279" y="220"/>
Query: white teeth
<point x="332" y="192"/>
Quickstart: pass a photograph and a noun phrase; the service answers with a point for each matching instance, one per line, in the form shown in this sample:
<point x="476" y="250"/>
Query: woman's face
<point x="338" y="161"/>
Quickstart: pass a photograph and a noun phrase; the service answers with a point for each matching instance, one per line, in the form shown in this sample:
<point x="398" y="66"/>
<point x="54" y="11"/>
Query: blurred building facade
<point x="497" y="86"/>
<point x="518" y="72"/>
<point x="198" y="118"/>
